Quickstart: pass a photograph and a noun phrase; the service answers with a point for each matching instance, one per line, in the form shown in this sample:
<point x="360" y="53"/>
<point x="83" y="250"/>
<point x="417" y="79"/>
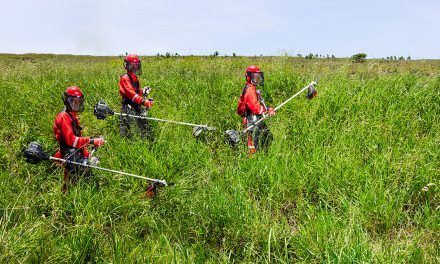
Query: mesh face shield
<point x="134" y="67"/>
<point x="257" y="78"/>
<point x="74" y="103"/>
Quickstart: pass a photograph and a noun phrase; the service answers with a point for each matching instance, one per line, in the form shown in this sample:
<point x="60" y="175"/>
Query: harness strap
<point x="76" y="131"/>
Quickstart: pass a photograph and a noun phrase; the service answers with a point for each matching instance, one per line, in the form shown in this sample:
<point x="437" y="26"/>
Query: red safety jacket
<point x="248" y="102"/>
<point x="129" y="89"/>
<point x="67" y="132"/>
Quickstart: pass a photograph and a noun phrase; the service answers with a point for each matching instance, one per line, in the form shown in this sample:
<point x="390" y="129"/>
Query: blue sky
<point x="277" y="27"/>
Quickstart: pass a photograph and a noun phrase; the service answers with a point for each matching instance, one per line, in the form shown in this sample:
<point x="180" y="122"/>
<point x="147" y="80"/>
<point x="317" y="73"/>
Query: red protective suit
<point x="129" y="88"/>
<point x="249" y="104"/>
<point x="248" y="101"/>
<point x="67" y="132"/>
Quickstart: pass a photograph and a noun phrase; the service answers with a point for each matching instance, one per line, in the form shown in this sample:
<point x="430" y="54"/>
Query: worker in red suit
<point x="134" y="100"/>
<point x="251" y="108"/>
<point x="67" y="130"/>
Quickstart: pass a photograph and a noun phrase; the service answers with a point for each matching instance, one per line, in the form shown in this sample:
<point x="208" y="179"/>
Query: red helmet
<point x="254" y="75"/>
<point x="132" y="64"/>
<point x="73" y="99"/>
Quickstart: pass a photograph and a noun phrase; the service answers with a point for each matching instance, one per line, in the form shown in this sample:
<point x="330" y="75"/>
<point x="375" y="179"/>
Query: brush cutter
<point x="233" y="136"/>
<point x="34" y="154"/>
<point x="102" y="110"/>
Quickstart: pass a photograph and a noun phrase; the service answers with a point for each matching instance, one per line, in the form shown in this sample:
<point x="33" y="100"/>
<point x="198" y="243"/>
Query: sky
<point x="379" y="28"/>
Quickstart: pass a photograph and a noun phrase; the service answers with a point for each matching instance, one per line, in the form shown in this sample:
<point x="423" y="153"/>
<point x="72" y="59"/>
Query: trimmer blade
<point x="197" y="131"/>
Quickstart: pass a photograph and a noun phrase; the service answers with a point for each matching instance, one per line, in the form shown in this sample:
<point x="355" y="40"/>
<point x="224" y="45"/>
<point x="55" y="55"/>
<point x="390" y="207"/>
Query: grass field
<point x="352" y="176"/>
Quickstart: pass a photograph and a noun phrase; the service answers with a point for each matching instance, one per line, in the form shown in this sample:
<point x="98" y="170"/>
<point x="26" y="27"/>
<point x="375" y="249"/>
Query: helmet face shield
<point x="257" y="78"/>
<point x="134" y="67"/>
<point x="75" y="103"/>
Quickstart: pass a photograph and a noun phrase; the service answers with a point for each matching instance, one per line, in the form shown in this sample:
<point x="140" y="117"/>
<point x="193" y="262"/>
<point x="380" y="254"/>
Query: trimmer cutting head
<point x="311" y="92"/>
<point x="153" y="188"/>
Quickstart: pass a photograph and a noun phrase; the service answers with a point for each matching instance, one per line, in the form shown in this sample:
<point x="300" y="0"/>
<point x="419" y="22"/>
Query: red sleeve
<point x="240" y="110"/>
<point x="251" y="101"/>
<point x="126" y="90"/>
<point x="63" y="131"/>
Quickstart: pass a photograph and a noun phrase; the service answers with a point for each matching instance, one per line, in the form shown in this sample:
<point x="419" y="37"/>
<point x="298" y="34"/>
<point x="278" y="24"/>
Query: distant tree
<point x="299" y="55"/>
<point x="310" y="56"/>
<point x="167" y="54"/>
<point x="401" y="58"/>
<point x="333" y="56"/>
<point x="215" y="54"/>
<point x="233" y="54"/>
<point x="359" y="57"/>
<point x="409" y="58"/>
<point x="177" y="54"/>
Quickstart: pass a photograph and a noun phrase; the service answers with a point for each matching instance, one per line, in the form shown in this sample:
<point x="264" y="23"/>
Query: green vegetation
<point x="352" y="176"/>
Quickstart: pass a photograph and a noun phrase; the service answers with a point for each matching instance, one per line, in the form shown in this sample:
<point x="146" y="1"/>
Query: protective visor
<point x="258" y="78"/>
<point x="135" y="68"/>
<point x="76" y="103"/>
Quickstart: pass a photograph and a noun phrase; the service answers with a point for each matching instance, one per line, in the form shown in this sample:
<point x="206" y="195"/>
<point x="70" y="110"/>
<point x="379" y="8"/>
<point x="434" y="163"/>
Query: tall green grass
<point x="351" y="176"/>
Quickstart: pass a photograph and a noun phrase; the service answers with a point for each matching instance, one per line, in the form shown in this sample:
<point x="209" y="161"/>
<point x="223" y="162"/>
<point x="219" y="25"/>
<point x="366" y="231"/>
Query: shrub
<point x="357" y="58"/>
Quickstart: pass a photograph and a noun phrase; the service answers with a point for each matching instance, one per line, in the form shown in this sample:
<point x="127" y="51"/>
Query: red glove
<point x="97" y="141"/>
<point x="148" y="104"/>
<point x="271" y="111"/>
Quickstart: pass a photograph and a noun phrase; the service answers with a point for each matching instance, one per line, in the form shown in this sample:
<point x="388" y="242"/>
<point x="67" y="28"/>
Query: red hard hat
<point x="73" y="99"/>
<point x="132" y="64"/>
<point x="253" y="69"/>
<point x="74" y="91"/>
<point x="132" y="58"/>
